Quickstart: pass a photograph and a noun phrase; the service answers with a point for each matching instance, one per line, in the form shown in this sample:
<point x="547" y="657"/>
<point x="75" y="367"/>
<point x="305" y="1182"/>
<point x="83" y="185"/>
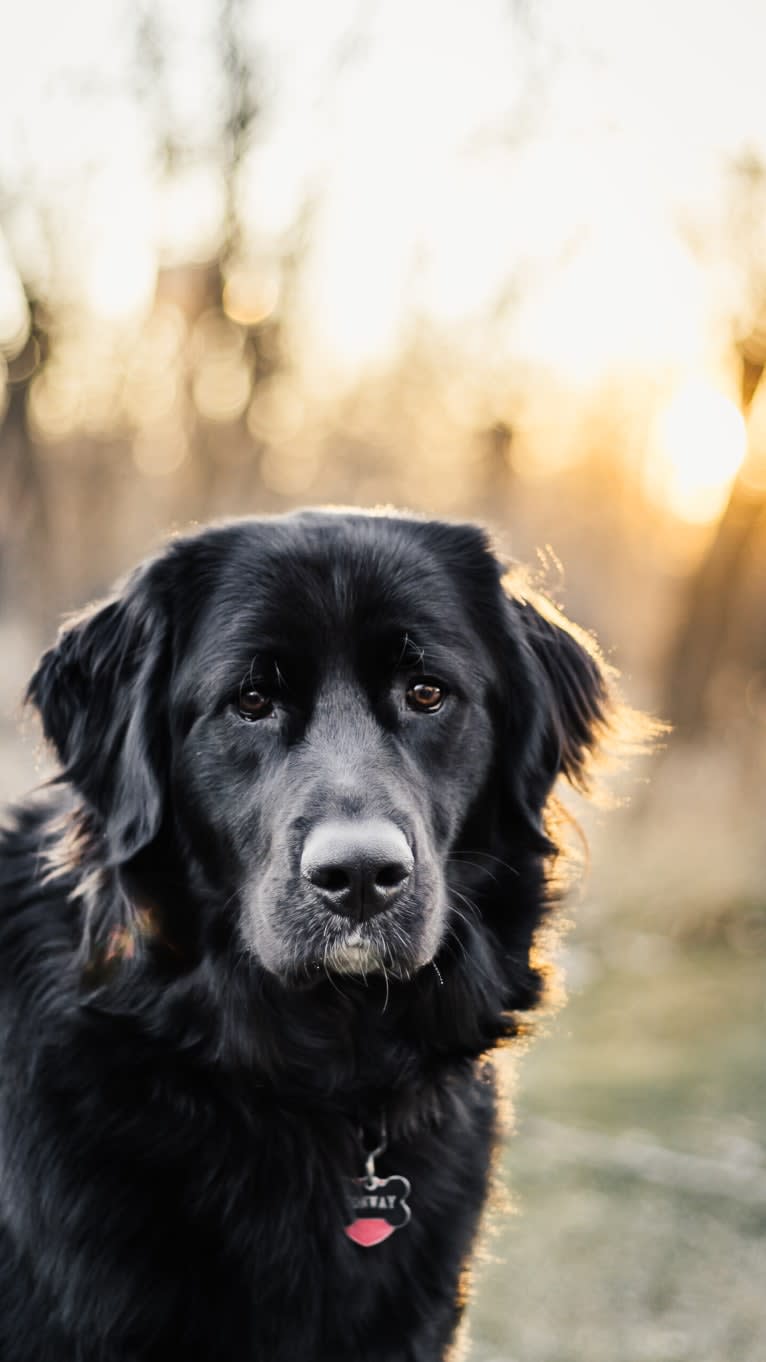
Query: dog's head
<point x="326" y="740"/>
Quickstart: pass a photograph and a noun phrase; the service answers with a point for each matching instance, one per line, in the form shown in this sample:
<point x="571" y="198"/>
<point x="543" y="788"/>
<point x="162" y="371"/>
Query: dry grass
<point x="611" y="1259"/>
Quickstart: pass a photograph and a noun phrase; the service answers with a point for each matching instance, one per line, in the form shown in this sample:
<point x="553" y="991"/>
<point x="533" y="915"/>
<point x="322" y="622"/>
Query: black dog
<point x="258" y="936"/>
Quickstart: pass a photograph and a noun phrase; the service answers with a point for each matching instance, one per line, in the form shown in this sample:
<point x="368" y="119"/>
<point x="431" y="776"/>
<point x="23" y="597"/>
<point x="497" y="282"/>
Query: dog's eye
<point x="253" y="704"/>
<point x="426" y="695"/>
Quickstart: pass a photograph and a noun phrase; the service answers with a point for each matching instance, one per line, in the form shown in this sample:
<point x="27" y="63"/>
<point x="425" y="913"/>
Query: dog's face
<point x="320" y="717"/>
<point x="336" y="729"/>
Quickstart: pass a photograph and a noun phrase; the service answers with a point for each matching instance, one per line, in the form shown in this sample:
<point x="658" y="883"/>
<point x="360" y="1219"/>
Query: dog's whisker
<point x="469" y="903"/>
<point x="463" y="860"/>
<point x="488" y="855"/>
<point x="328" y="973"/>
<point x="385" y="976"/>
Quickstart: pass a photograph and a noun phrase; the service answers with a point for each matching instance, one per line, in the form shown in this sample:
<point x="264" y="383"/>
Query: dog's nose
<point x="359" y="867"/>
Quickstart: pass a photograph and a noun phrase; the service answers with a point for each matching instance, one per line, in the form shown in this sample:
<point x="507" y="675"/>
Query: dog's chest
<point x="264" y="1228"/>
<point x="202" y="1223"/>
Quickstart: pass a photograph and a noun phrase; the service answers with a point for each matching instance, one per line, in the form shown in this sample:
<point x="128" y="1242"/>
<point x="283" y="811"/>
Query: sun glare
<point x="120" y="281"/>
<point x="699" y="443"/>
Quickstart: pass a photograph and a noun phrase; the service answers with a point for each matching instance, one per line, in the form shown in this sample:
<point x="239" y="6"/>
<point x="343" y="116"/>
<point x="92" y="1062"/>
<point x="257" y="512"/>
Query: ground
<point x="637" y="1171"/>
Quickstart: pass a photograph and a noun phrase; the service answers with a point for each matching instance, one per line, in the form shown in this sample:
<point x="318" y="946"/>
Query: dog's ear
<point x="100" y="697"/>
<point x="571" y="702"/>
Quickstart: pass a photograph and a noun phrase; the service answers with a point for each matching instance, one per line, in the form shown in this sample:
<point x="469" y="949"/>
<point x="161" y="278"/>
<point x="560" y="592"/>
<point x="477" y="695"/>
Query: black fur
<point x="187" y="1057"/>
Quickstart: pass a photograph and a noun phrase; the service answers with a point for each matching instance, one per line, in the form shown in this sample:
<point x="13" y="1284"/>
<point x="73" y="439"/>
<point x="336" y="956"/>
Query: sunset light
<point x="403" y="365"/>
<point x="700" y="443"/>
<point x="410" y="202"/>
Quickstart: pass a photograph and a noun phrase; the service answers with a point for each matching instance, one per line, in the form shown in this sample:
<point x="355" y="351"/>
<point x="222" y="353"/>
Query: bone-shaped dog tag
<point x="381" y="1207"/>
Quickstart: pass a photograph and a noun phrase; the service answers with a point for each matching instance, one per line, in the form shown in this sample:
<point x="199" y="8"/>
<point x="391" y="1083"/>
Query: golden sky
<point x="544" y="183"/>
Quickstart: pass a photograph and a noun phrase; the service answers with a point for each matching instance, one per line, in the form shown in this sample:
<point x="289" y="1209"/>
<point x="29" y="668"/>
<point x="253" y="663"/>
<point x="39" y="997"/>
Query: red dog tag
<point x="381" y="1207"/>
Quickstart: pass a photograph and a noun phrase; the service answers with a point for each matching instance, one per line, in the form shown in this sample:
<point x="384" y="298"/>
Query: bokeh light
<point x="700" y="443"/>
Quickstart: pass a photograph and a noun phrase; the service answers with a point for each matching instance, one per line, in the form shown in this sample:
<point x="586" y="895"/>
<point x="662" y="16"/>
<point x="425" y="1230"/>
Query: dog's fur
<point x="195" y="1049"/>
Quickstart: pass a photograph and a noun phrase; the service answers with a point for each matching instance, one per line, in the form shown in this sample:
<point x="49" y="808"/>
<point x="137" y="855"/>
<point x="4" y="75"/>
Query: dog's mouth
<point x="360" y="951"/>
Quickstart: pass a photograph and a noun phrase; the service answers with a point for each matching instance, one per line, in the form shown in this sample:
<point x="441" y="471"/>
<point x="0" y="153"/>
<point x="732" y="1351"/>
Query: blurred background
<point x="503" y="261"/>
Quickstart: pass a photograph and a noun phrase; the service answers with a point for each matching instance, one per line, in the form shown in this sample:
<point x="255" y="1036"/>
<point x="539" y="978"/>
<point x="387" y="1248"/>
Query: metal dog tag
<point x="380" y="1204"/>
<point x="381" y="1207"/>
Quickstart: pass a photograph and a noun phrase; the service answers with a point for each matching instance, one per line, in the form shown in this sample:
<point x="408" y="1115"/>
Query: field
<point x="636" y="1174"/>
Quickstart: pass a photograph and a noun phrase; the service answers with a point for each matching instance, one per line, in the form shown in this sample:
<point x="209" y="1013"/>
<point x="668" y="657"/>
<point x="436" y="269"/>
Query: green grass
<point x="598" y="1263"/>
